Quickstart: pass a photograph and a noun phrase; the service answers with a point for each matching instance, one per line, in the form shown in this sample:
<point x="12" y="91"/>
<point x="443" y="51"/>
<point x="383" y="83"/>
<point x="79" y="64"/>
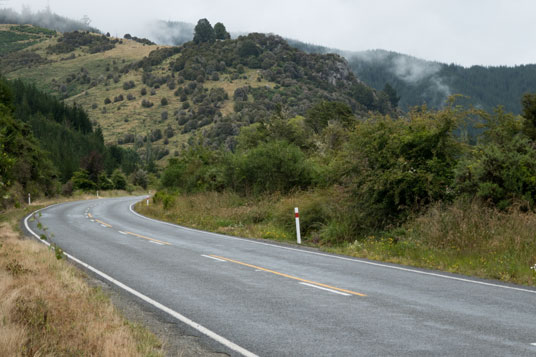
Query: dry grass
<point x="269" y="216"/>
<point x="226" y="213"/>
<point x="465" y="238"/>
<point x="47" y="308"/>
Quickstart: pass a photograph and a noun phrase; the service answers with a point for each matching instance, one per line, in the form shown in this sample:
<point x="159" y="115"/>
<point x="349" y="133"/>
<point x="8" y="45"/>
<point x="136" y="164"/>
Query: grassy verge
<point x="464" y="237"/>
<point x="47" y="307"/>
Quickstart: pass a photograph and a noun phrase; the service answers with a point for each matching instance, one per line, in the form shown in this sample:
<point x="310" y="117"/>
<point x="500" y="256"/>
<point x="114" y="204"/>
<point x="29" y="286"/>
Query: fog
<point x="466" y="32"/>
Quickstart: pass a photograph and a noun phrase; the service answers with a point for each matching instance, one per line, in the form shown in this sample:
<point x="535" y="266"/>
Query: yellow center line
<point x="151" y="239"/>
<point x="132" y="234"/>
<point x="288" y="276"/>
<point x="103" y="223"/>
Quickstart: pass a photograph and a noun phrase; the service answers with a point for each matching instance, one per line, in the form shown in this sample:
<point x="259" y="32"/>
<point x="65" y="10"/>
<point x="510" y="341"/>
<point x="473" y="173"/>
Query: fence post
<point x="298" y="233"/>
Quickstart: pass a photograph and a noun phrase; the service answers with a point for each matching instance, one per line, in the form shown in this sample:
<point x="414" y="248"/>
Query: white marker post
<point x="147" y="201"/>
<point x="298" y="234"/>
<point x="29" y="200"/>
<point x="97" y="193"/>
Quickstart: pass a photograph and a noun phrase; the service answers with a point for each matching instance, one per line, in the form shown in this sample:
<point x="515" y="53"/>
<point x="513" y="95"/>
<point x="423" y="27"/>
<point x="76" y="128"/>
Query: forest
<point x="48" y="148"/>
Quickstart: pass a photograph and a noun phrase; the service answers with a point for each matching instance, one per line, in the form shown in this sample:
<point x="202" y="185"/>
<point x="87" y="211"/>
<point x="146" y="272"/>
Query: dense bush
<point x="73" y="40"/>
<point x="270" y="167"/>
<point x="401" y="166"/>
<point x="501" y="169"/>
<point x="119" y="180"/>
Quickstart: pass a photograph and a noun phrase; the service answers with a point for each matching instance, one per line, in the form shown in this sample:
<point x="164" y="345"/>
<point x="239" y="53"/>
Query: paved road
<point x="273" y="300"/>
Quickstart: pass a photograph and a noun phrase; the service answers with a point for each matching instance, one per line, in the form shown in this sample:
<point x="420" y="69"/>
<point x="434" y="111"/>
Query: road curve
<point x="253" y="298"/>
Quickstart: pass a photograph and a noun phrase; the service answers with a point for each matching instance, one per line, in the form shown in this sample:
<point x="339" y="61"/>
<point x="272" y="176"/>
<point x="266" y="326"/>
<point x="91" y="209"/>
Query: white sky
<point x="466" y="32"/>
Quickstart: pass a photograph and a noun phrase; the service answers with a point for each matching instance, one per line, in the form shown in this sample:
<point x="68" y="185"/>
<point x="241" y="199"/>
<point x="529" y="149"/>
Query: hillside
<point x="153" y="97"/>
<point x="416" y="81"/>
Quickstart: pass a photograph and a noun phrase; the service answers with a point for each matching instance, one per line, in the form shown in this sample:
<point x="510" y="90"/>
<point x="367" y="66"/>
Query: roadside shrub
<point x="501" y="169"/>
<point x="401" y="166"/>
<point x="139" y="178"/>
<point x="81" y="181"/>
<point x="119" y="180"/>
<point x="197" y="169"/>
<point x="270" y="167"/>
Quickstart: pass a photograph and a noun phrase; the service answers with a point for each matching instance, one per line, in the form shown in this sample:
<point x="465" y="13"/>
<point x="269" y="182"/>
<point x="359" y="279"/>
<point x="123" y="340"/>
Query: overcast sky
<point x="466" y="32"/>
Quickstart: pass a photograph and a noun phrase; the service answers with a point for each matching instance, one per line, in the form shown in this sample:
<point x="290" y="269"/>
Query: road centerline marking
<point x="289" y="276"/>
<point x="125" y="233"/>
<point x="218" y="259"/>
<point x="325" y="289"/>
<point x="202" y="329"/>
<point x="104" y="224"/>
<point x="147" y="238"/>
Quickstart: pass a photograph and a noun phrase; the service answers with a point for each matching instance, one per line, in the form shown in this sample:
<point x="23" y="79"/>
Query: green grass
<point x="12" y="41"/>
<point x="465" y="237"/>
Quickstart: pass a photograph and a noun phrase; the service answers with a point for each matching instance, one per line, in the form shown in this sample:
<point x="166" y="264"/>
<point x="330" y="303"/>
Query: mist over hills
<point x="43" y="18"/>
<point x="415" y="80"/>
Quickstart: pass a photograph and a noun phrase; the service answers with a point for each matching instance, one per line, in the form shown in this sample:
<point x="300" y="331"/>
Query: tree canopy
<point x="204" y="32"/>
<point x="221" y="32"/>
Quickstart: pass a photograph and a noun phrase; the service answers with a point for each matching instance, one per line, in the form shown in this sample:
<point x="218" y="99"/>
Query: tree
<point x="119" y="180"/>
<point x="529" y="113"/>
<point x="104" y="182"/>
<point x="392" y="95"/>
<point x="248" y="48"/>
<point x="221" y="32"/>
<point x="501" y="169"/>
<point x="139" y="178"/>
<point x="82" y="181"/>
<point x="203" y="32"/>
<point x="319" y="116"/>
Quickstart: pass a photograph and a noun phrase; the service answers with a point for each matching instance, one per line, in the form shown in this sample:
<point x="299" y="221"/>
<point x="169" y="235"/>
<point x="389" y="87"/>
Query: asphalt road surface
<point x="254" y="298"/>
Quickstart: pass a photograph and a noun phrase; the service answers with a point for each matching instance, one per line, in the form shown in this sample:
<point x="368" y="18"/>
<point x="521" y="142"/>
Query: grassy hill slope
<point x="153" y="97"/>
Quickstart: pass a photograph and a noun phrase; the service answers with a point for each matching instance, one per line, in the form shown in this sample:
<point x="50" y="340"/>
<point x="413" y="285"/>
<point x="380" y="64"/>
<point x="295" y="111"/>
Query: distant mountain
<point x="418" y="81"/>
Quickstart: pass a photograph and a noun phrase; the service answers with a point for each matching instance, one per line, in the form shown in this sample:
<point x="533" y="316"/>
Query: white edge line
<point x="222" y="340"/>
<point x="533" y="344"/>
<point x="208" y="256"/>
<point x="355" y="260"/>
<point x="326" y="289"/>
<point x="125" y="233"/>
